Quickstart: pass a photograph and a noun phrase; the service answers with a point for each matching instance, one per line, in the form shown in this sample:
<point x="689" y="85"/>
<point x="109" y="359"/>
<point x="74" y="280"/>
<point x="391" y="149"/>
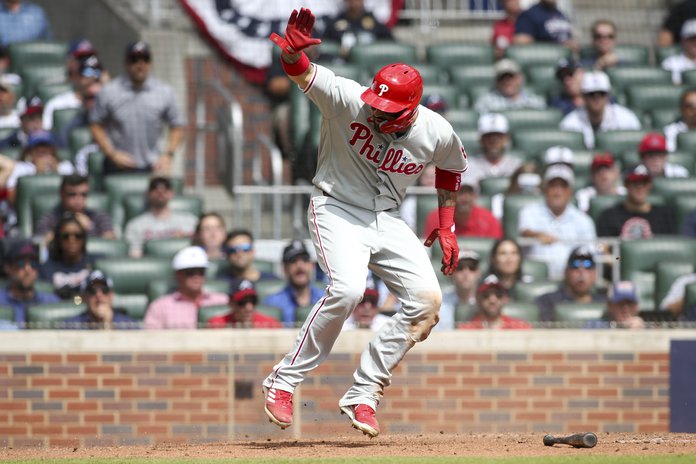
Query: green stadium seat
<point x="511" y="211"/>
<point x="493" y="185"/>
<point x="445" y="54"/>
<point x="431" y="74"/>
<point x="636" y="55"/>
<point x="49" y="315"/>
<point x="4" y="133"/>
<point x="481" y="245"/>
<point x="542" y="79"/>
<point x="462" y="119"/>
<point x="599" y="203"/>
<point x="652" y="97"/>
<point x="327" y="48"/>
<point x="665" y="52"/>
<point x="269" y="287"/>
<point x="683" y="158"/>
<point x="47" y="91"/>
<point x="665" y="275"/>
<point x="134" y="305"/>
<point x="29" y="187"/>
<point x="464" y="312"/>
<point x="301" y="314"/>
<point x="299" y="123"/>
<point x="133" y="275"/>
<point x="686" y="141"/>
<point x="477" y="91"/>
<point x="107" y="247"/>
<point x="348" y="71"/>
<point x="639" y="259"/>
<point x="467" y="76"/>
<point x="683" y="205"/>
<point x="527" y="292"/>
<point x="207" y="312"/>
<point x="23" y="54"/>
<point x="579" y="313"/>
<point x="95" y="168"/>
<point x="523" y="119"/>
<point x="165" y="247"/>
<point x="660" y="118"/>
<point x="624" y="77"/>
<point x="689" y="77"/>
<point x="36" y="76"/>
<point x="134" y="204"/>
<point x="424" y="205"/>
<point x="470" y="139"/>
<point x="41" y="205"/>
<point x="582" y="162"/>
<point x="449" y="93"/>
<point x="62" y="118"/>
<point x="6" y="313"/>
<point x="526" y="311"/>
<point x="277" y="313"/>
<point x="78" y="138"/>
<point x="536" y="141"/>
<point x="536" y="54"/>
<point x="381" y="53"/>
<point x="537" y="269"/>
<point x="618" y="141"/>
<point x="669" y="187"/>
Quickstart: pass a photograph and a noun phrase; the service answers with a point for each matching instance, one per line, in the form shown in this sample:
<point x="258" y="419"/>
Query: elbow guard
<point x="447" y="180"/>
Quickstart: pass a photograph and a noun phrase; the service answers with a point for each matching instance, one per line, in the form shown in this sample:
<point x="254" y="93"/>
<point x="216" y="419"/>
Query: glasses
<point x="245" y="301"/>
<point x="581" y="263"/>
<point x="198" y="271"/>
<point x="136" y="58"/>
<point x="94" y="289"/>
<point x="505" y="76"/>
<point x="295" y="259"/>
<point x="77" y="194"/>
<point x="596" y="94"/>
<point x="69" y="235"/>
<point x="470" y="266"/>
<point x="603" y="36"/>
<point x="246" y="247"/>
<point x="20" y="263"/>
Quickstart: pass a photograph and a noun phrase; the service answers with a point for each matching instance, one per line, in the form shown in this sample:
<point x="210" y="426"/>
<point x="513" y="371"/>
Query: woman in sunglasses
<point x="68" y="264"/>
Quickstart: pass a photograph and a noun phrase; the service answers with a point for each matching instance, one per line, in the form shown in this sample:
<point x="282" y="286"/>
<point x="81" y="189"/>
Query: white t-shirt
<point x="584" y="195"/>
<point x="23" y="168"/>
<point x="10" y="120"/>
<point x="677" y="290"/>
<point x="616" y="117"/>
<point x="61" y="101"/>
<point x="672" y="131"/>
<point x="676" y="65"/>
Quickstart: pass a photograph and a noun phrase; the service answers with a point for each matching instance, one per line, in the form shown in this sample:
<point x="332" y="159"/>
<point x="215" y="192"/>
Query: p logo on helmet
<point x="400" y="91"/>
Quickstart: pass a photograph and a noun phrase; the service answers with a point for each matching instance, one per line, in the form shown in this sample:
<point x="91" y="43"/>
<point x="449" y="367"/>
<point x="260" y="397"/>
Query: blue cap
<point x="40" y="137"/>
<point x="624" y="290"/>
<point x="81" y="47"/>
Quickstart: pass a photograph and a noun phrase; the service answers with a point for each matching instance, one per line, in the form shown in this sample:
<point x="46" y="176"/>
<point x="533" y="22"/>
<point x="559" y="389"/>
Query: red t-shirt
<point x="481" y="223"/>
<point x="503" y="31"/>
<point x="258" y="321"/>
<point x="507" y="322"/>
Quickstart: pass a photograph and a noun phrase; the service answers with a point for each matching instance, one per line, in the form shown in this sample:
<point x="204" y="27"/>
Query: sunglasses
<point x="77" y="194"/>
<point x="69" y="235"/>
<point x="596" y="94"/>
<point x="245" y="301"/>
<point x="246" y="247"/>
<point x="581" y="263"/>
<point x="603" y="36"/>
<point x="197" y="271"/>
<point x="91" y="72"/>
<point x="470" y="266"/>
<point x="295" y="259"/>
<point x="20" y="263"/>
<point x="136" y="58"/>
<point x="505" y="76"/>
<point x="93" y="290"/>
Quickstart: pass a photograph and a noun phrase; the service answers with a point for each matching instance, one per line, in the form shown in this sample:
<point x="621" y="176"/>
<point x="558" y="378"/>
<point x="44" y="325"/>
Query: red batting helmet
<point x="396" y="88"/>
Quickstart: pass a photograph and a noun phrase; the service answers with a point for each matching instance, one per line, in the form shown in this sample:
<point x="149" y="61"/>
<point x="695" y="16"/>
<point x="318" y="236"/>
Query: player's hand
<point x="450" y="248"/>
<point x="298" y="33"/>
<point x="123" y="160"/>
<point x="163" y="165"/>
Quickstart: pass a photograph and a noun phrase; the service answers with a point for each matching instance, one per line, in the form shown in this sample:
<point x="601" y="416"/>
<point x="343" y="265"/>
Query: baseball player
<point x="374" y="143"/>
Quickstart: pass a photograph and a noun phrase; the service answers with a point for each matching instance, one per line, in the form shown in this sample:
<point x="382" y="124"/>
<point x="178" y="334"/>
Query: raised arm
<point x="298" y="36"/>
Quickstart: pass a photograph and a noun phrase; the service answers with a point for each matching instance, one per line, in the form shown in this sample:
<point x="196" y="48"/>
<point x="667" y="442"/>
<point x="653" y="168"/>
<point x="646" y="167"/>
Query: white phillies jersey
<point x="363" y="167"/>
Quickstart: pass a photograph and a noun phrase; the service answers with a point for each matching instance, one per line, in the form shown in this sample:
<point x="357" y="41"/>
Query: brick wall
<point x="82" y="389"/>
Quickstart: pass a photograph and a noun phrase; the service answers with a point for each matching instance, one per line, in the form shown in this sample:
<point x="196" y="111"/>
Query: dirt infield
<point x="484" y="445"/>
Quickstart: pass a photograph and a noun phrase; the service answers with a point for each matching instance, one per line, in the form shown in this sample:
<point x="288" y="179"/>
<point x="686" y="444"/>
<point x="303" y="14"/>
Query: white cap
<point x="688" y="29"/>
<point x="190" y="258"/>
<point x="595" y="81"/>
<point x="558" y="154"/>
<point x="559" y="171"/>
<point x="493" y="123"/>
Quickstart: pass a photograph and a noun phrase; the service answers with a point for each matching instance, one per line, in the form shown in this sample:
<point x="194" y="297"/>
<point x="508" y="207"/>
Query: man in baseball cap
<point x="97" y="293"/>
<point x="465" y="280"/>
<point x="622" y="308"/>
<point x="366" y="314"/>
<point x="686" y="59"/>
<point x="243" y="301"/>
<point x="569" y="73"/>
<point x="494" y="139"/>
<point x="509" y="92"/>
<point x="491" y="298"/>
<point x="653" y="154"/>
<point x="604" y="175"/>
<point x="30" y="111"/>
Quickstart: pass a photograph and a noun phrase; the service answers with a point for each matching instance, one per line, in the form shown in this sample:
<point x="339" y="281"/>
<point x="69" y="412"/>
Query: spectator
<point x="577" y="286"/>
<point x="68" y="263"/>
<point x="603" y="55"/>
<point x="366" y="314"/>
<point x="525" y="180"/>
<point x="688" y="227"/>
<point x="210" y="235"/>
<point x="504" y="29"/>
<point x="158" y="221"/>
<point x="470" y="219"/>
<point x="88" y="97"/>
<point x="14" y="78"/>
<point x="604" y="175"/>
<point x="686" y="121"/>
<point x="636" y="217"/>
<point x="494" y="138"/>
<point x="127" y="118"/>
<point x="544" y="22"/>
<point x="97" y="293"/>
<point x="653" y="155"/>
<point x="408" y="207"/>
<point x="299" y="291"/>
<point x="506" y="263"/>
<point x="569" y="74"/>
<point x="491" y="298"/>
<point x="686" y="59"/>
<point x="179" y="309"/>
<point x="241" y="252"/>
<point x="30" y="112"/>
<point x="243" y="313"/>
<point x="674" y="300"/>
<point x="21" y="266"/>
<point x="78" y="50"/>
<point x="674" y="22"/>
<point x="74" y="190"/>
<point x="598" y="114"/>
<point x="465" y="280"/>
<point x="508" y="92"/>
<point x="8" y="100"/>
<point x="22" y="22"/>
<point x="437" y="103"/>
<point x="622" y="309"/>
<point x="556" y="224"/>
<point x="355" y="26"/>
<point x="558" y="154"/>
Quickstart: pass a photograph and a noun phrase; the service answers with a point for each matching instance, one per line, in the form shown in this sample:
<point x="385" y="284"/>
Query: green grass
<point x="577" y="459"/>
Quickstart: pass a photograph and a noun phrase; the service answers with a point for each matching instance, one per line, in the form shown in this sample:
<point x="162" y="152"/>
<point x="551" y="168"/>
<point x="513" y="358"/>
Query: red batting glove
<point x="450" y="248"/>
<point x="298" y="33"/>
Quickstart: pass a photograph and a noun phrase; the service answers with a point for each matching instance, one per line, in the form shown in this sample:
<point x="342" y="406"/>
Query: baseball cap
<point x="506" y="66"/>
<point x="469" y="181"/>
<point x="528" y="181"/>
<point x="81" y="47"/>
<point x="490" y="281"/>
<point x="653" y="142"/>
<point x="20" y="248"/>
<point x="639" y="173"/>
<point x="566" y="66"/>
<point x="192" y="257"/>
<point x="295" y="249"/>
<point x="241" y="289"/>
<point x="7" y="83"/>
<point x="138" y="49"/>
<point x="602" y="160"/>
<point x="33" y="105"/>
<point x="581" y="255"/>
<point x="470" y="255"/>
<point x="371" y="293"/>
<point x="558" y="154"/>
<point x="91" y="67"/>
<point x="94" y="277"/>
<point x="595" y="81"/>
<point x="435" y="102"/>
<point x="559" y="171"/>
<point x="624" y="290"/>
<point x="159" y="180"/>
<point x="688" y="29"/>
<point x="493" y="123"/>
<point x="40" y="137"/>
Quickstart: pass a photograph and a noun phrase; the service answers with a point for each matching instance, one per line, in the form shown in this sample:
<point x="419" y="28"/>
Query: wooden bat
<point x="578" y="440"/>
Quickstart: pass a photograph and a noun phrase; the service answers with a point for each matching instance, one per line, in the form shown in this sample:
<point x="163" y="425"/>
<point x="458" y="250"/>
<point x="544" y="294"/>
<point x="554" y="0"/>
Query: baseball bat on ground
<point x="578" y="440"/>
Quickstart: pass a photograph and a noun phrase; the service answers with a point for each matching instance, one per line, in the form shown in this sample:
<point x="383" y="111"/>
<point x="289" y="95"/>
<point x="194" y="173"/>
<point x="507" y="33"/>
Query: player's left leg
<point x="402" y="262"/>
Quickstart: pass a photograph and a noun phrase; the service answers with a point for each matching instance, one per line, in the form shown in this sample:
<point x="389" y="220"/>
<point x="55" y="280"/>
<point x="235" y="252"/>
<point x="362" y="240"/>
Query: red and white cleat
<point x="363" y="418"/>
<point x="278" y="406"/>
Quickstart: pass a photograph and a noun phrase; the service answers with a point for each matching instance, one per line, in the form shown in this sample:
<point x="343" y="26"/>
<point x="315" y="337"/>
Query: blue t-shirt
<point x="27" y="24"/>
<point x="84" y="321"/>
<point x="20" y="306"/>
<point x="544" y="24"/>
<point x="286" y="302"/>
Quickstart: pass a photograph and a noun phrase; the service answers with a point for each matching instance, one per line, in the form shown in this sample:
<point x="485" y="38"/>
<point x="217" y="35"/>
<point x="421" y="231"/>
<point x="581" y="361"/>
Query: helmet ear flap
<point x="401" y="123"/>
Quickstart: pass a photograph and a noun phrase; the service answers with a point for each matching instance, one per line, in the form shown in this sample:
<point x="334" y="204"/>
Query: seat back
<point x="207" y="312"/>
<point x="618" y="141"/>
<point x="165" y="247"/>
<point x="6" y="313"/>
<point x="528" y="118"/>
<point x="28" y="187"/>
<point x="686" y="141"/>
<point x="599" y="203"/>
<point x="381" y="53"/>
<point x="481" y="245"/>
<point x="24" y="54"/>
<point x="268" y="287"/>
<point x="683" y="205"/>
<point x="445" y="54"/>
<point x="47" y="91"/>
<point x="431" y="74"/>
<point x="107" y="247"/>
<point x="40" y="205"/>
<point x="135" y="304"/>
<point x="462" y="119"/>
<point x="537" y="141"/>
<point x="535" y="54"/>
<point x="493" y="185"/>
<point x="690" y="302"/>
<point x="673" y="187"/>
<point x="536" y="269"/>
<point x="666" y="273"/>
<point x="62" y="117"/>
<point x="467" y="76"/>
<point x="301" y="314"/>
<point x="49" y="315"/>
<point x="543" y="80"/>
<point x="36" y="75"/>
<point x="576" y="314"/>
<point x="449" y="92"/>
<point x="78" y="138"/>
<point x="623" y="77"/>
<point x="512" y="204"/>
<point x="527" y="292"/>
<point x="133" y="275"/>
<point x="526" y="311"/>
<point x="651" y="97"/>
<point x="661" y="53"/>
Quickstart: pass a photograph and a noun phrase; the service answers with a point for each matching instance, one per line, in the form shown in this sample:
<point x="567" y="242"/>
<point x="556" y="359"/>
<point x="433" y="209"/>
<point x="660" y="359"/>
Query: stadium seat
<point x="683" y="158"/>
<point x="95" y="168"/>
<point x="582" y="162"/>
<point x="133" y="275"/>
<point x="579" y="313"/>
<point x="481" y="245"/>
<point x="29" y="187"/>
<point x="686" y="141"/>
<point x="119" y="185"/>
<point x="107" y="247"/>
<point x="523" y="119"/>
<point x="683" y="205"/>
<point x="277" y="313"/>
<point x="660" y="118"/>
<point x="639" y="259"/>
<point x="464" y="312"/>
<point x="466" y="76"/>
<point x="6" y="313"/>
<point x="666" y="273"/>
<point x="690" y="302"/>
<point x="269" y="287"/>
<point x="537" y="269"/>
<point x="527" y="292"/>
<point x="511" y="211"/>
<point x="689" y="77"/>
<point x="381" y="53"/>
<point x="348" y="71"/>
<point x="669" y="187"/>
<point x="493" y="185"/>
<point x="618" y="141"/>
<point x="49" y="315"/>
<point x="462" y="119"/>
<point x="449" y="93"/>
<point x="470" y="139"/>
<point x="78" y="138"/>
<point x="165" y="247"/>
<point x="327" y="49"/>
<point x="47" y="91"/>
<point x="62" y="118"/>
<point x="599" y="203"/>
<point x="623" y="77"/>
<point x="475" y="92"/>
<point x="665" y="52"/>
<point x="36" y="76"/>
<point x="542" y="79"/>
<point x="134" y="204"/>
<point x="652" y="97"/>
<point x="447" y="54"/>
<point x="4" y="133"/>
<point x="424" y="205"/>
<point x="431" y="74"/>
<point x="207" y="312"/>
<point x="629" y="55"/>
<point x="536" y="54"/>
<point x="41" y="205"/>
<point x="526" y="311"/>
<point x="536" y="141"/>
<point x="23" y="54"/>
<point x="134" y="305"/>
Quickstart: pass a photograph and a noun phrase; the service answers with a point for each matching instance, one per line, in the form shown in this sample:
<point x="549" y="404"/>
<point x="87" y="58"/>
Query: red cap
<point x="653" y="142"/>
<point x="601" y="160"/>
<point x="637" y="174"/>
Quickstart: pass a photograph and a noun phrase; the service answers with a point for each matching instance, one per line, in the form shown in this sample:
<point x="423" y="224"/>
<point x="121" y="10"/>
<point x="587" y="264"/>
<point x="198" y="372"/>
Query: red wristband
<point x="296" y="69"/>
<point x="446" y="215"/>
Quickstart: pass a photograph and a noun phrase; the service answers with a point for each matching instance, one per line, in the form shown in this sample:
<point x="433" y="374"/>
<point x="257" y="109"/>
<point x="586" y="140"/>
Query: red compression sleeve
<point x="446" y="215"/>
<point x="447" y="180"/>
<point x="296" y="69"/>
